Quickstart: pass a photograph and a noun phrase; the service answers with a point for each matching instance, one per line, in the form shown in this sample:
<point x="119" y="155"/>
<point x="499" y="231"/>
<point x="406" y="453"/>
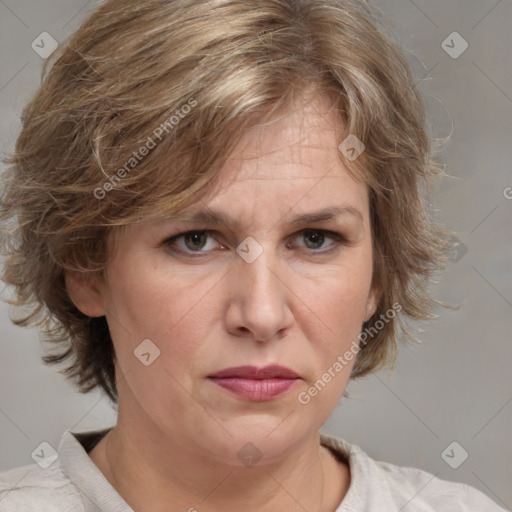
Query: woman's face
<point x="286" y="281"/>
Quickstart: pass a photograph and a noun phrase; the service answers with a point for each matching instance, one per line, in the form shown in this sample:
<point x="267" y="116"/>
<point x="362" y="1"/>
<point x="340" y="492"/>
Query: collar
<point x="98" y="495"/>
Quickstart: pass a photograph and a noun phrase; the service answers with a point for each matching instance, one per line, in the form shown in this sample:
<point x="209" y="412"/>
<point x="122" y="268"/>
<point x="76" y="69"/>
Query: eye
<point x="201" y="243"/>
<point x="314" y="239"/>
<point x="191" y="242"/>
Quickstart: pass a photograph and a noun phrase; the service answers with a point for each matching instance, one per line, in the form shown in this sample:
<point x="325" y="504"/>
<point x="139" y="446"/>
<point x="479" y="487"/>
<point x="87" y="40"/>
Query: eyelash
<point x="337" y="238"/>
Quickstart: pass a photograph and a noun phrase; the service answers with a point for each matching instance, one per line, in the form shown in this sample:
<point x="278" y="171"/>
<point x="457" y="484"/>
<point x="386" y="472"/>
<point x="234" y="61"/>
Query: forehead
<point x="306" y="135"/>
<point x="284" y="168"/>
<point x="293" y="158"/>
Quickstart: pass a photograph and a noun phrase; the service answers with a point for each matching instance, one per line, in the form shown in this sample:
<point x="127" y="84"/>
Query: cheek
<point x="337" y="301"/>
<point x="170" y="309"/>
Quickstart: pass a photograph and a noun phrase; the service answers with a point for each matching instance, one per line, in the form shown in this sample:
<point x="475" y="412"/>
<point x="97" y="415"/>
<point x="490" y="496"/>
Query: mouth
<point x="256" y="384"/>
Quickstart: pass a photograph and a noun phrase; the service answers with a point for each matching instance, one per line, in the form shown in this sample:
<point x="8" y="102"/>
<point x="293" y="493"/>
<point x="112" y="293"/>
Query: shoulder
<point x="21" y="489"/>
<point x="378" y="485"/>
<point x="427" y="493"/>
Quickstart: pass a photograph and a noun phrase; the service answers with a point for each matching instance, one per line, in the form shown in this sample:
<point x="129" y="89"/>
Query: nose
<point x="259" y="300"/>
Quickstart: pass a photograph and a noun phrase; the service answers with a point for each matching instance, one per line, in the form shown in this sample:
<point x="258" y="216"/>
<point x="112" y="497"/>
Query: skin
<point x="300" y="304"/>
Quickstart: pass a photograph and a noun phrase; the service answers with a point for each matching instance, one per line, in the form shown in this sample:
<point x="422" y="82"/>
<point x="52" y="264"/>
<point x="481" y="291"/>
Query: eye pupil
<point x="198" y="241"/>
<point x="315" y="238"/>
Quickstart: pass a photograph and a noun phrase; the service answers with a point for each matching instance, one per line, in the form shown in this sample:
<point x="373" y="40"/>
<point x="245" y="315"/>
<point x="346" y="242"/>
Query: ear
<point x="372" y="302"/>
<point x="84" y="291"/>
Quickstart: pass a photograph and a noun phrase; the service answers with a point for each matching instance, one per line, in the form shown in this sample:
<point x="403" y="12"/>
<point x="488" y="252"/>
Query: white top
<point x="72" y="482"/>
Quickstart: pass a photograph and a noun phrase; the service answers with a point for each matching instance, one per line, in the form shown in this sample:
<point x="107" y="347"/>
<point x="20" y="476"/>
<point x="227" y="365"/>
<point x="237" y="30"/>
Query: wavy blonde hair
<point x="127" y="74"/>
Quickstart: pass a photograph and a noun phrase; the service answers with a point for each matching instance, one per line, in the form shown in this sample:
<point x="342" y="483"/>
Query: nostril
<point x="282" y="333"/>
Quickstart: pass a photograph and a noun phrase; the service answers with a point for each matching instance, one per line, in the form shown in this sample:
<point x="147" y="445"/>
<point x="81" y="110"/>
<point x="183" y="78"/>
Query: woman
<point x="219" y="223"/>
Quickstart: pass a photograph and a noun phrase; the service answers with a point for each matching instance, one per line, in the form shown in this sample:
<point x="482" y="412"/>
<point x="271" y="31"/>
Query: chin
<point x="257" y="440"/>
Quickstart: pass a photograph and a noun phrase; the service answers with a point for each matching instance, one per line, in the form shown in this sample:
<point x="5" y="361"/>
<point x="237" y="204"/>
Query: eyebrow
<point x="213" y="217"/>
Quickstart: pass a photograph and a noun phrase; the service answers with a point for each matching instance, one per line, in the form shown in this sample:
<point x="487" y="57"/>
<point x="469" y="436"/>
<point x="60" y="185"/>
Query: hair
<point x="139" y="109"/>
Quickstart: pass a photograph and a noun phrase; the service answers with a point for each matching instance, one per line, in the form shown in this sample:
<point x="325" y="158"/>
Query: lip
<point x="272" y="371"/>
<point x="256" y="384"/>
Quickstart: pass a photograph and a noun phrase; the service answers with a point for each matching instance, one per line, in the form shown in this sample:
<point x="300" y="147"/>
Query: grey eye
<point x="195" y="240"/>
<point x="314" y="239"/>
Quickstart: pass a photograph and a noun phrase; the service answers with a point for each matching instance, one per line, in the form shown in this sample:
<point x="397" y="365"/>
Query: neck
<point x="161" y="474"/>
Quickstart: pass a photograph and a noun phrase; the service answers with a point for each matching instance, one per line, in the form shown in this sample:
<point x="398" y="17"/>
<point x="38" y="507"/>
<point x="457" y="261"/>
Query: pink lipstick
<point x="256" y="384"/>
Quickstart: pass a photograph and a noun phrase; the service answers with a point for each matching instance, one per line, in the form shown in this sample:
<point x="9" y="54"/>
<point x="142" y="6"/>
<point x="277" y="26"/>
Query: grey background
<point x="456" y="385"/>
